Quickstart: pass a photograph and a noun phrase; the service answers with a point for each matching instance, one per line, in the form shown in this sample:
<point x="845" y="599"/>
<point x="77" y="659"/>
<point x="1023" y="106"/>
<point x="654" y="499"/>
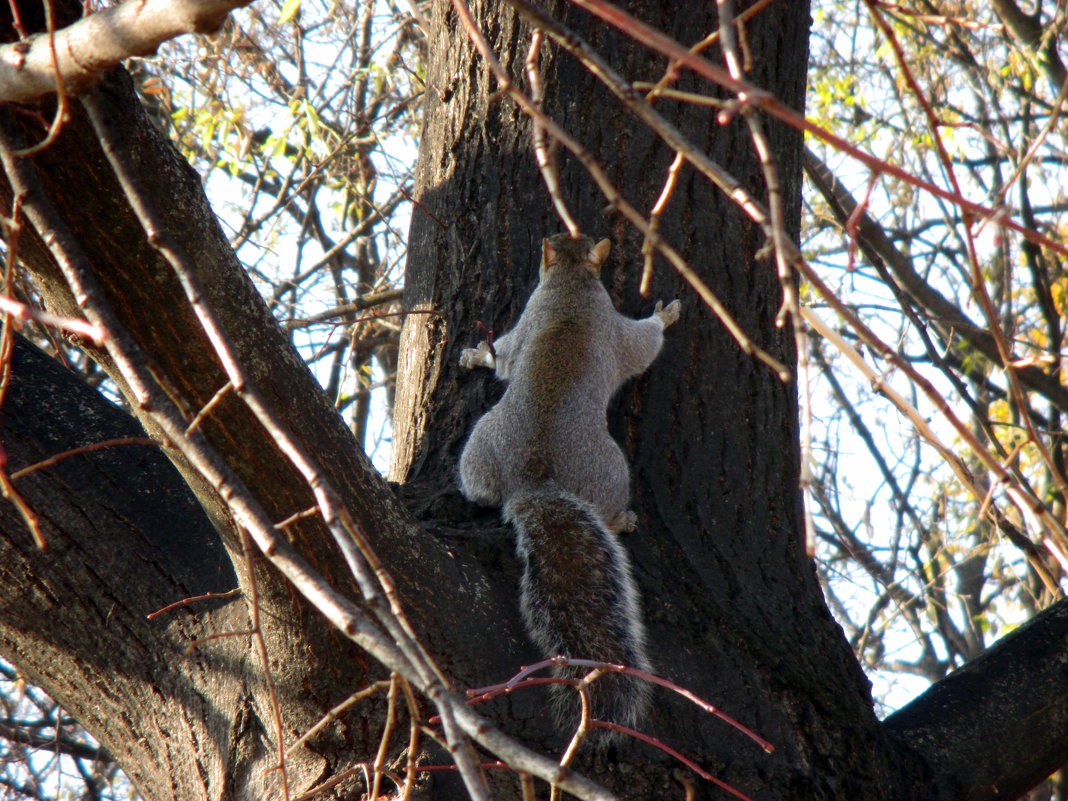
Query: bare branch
<point x="90" y="47"/>
<point x="49" y="741"/>
<point x="949" y="317"/>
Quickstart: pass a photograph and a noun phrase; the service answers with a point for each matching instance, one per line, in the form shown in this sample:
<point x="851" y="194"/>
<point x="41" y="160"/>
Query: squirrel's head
<point x="565" y="251"/>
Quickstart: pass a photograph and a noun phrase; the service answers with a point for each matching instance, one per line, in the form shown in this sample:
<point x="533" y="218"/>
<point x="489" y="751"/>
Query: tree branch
<point x="140" y="548"/>
<point x="1015" y="688"/>
<point x="48" y="742"/>
<point x="878" y="249"/>
<point x="93" y="45"/>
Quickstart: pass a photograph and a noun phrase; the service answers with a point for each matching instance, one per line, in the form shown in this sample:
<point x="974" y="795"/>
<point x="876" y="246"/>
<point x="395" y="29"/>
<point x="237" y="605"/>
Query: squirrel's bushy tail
<point x="578" y="599"/>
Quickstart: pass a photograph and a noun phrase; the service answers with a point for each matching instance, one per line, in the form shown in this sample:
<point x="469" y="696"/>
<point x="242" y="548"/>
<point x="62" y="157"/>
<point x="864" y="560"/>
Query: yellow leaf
<point x="289" y="11"/>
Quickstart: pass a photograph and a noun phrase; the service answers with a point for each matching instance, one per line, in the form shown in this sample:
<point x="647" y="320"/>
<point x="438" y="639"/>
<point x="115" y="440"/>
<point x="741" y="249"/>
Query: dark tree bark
<point x="313" y="667"/>
<point x="732" y="603"/>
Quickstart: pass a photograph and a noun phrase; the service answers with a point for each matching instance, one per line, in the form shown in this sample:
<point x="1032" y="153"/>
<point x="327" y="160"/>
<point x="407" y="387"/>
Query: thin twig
<point x="654" y="222"/>
<point x="208" y="407"/>
<point x="336" y="712"/>
<point x="22" y="311"/>
<point x="208" y="596"/>
<point x="544" y="154"/>
<point x="387" y="734"/>
<point x="366" y="302"/>
<point x="90" y="448"/>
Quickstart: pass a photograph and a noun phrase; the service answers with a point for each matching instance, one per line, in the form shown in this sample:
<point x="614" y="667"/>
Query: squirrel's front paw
<point x="468" y="358"/>
<point x="667" y="314"/>
<point x="481" y="356"/>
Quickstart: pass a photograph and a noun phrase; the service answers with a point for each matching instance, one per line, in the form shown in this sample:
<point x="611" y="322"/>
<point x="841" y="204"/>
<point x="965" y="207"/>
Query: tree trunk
<point x="212" y="711"/>
<point x="732" y="604"/>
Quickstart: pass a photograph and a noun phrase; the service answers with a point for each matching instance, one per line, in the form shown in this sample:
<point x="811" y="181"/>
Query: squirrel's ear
<point x="600" y="253"/>
<point x="549" y="257"/>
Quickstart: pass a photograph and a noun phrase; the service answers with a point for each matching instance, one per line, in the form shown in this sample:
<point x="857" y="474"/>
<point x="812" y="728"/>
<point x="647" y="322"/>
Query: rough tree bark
<point x="731" y="601"/>
<point x="733" y="606"/>
<point x="176" y="750"/>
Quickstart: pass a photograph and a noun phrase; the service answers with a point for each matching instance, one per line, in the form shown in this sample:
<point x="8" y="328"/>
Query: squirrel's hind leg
<point x="479" y="472"/>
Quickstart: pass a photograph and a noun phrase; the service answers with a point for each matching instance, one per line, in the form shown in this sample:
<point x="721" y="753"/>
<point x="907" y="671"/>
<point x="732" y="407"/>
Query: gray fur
<point x="544" y="454"/>
<point x="578" y="598"/>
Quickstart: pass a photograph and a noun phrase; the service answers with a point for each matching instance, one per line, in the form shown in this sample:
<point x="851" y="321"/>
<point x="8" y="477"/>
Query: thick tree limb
<point x="125" y="537"/>
<point x="90" y="47"/>
<point x="999" y="725"/>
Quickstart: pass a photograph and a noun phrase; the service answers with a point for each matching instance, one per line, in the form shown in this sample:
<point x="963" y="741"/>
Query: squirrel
<point x="543" y="453"/>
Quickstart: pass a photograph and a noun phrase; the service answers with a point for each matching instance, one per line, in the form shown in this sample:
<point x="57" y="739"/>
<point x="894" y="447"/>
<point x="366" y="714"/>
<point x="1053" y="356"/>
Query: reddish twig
<point x="208" y="596"/>
<point x="22" y="311"/>
<point x="496" y="765"/>
<point x="332" y="782"/>
<point x="654" y="222"/>
<point x="493" y="690"/>
<point x="90" y="448"/>
<point x="422" y="207"/>
<point x="667" y="749"/>
<point x="487" y="337"/>
<point x="29" y="517"/>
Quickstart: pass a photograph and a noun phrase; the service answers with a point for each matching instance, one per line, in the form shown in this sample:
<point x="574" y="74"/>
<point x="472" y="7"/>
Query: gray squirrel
<point x="543" y="453"/>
